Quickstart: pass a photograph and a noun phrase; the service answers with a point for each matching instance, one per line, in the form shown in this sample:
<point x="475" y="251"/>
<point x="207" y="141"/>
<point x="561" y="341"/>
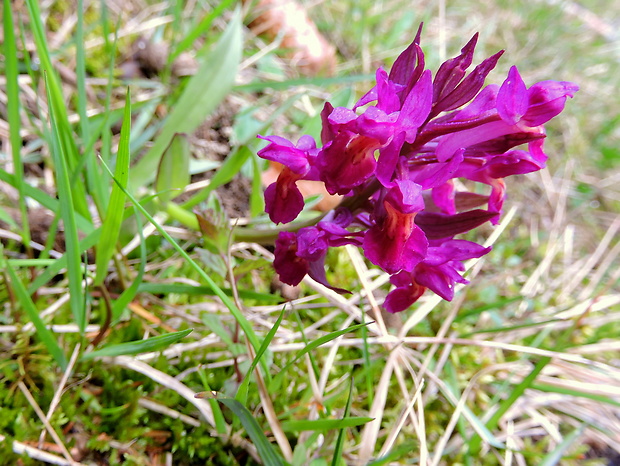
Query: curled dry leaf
<point x="309" y="50"/>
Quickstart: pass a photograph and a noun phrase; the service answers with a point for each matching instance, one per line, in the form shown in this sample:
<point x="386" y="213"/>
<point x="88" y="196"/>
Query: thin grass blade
<point x="325" y="424"/>
<point x="72" y="243"/>
<point x="242" y="392"/>
<point x="263" y="446"/>
<point x="340" y="441"/>
<point x="126" y="296"/>
<point x="63" y="133"/>
<point x="13" y="105"/>
<point x="24" y="299"/>
<point x="111" y="225"/>
<point x="136" y="347"/>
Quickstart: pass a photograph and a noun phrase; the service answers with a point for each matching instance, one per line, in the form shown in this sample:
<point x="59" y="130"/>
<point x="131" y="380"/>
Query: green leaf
<point x="24" y="299"/>
<point x="203" y="93"/>
<point x="324" y="424"/>
<point x="111" y="226"/>
<point x="65" y="198"/>
<point x="251" y="426"/>
<point x="173" y="171"/>
<point x="136" y="347"/>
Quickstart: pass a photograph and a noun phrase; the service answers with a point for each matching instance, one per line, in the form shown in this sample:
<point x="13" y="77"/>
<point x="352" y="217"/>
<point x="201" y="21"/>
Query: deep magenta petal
<point x="547" y="99"/>
<point x="405" y="197"/>
<point x="468" y="88"/>
<point x="440" y="279"/>
<point x="397" y="250"/>
<point x="311" y="243"/>
<point x="443" y="196"/>
<point x="388" y="160"/>
<point x="454" y="250"/>
<point x="438" y="226"/>
<point x="283" y="200"/>
<point x="347" y="162"/>
<point x="417" y="106"/>
<point x="387" y="97"/>
<point x="512" y="98"/>
<point x="290" y="268"/>
<point x="284" y="151"/>
<point x="400" y="299"/>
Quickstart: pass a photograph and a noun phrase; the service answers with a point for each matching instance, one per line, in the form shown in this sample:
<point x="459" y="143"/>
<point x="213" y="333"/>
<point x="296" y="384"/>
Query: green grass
<point x="147" y="300"/>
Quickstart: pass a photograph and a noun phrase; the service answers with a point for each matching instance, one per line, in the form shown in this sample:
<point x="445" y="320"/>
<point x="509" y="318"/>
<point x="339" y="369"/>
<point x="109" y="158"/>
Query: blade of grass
<point x="239" y="317"/>
<point x="204" y="91"/>
<point x="325" y="424"/>
<point x="123" y="300"/>
<point x="242" y="392"/>
<point x="340" y="440"/>
<point x="25" y="301"/>
<point x="111" y="226"/>
<point x="573" y="392"/>
<point x="80" y="71"/>
<point x="63" y="133"/>
<point x="263" y="446"/>
<point x="136" y="347"/>
<point x="65" y="197"/>
<point x="200" y="28"/>
<point x="12" y="93"/>
<point x="220" y="422"/>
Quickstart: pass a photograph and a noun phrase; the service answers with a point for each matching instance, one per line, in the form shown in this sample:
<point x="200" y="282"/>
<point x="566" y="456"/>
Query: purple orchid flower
<point x="395" y="156"/>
